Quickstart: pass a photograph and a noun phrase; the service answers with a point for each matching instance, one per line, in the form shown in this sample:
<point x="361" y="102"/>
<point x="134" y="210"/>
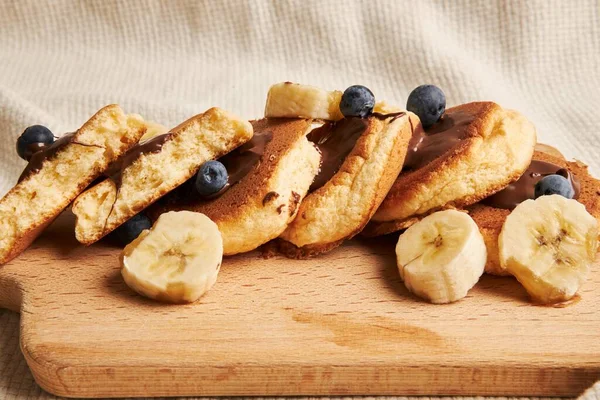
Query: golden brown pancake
<point x="277" y="168"/>
<point x="475" y="150"/>
<point x="490" y="218"/>
<point x="56" y="175"/>
<point x="154" y="168"/>
<point x="348" y="189"/>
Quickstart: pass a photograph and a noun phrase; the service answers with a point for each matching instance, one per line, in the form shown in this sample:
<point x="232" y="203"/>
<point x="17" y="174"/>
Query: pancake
<point x="269" y="177"/>
<point x="475" y="150"/>
<point x="57" y="174"/>
<point x="154" y="168"/>
<point x="361" y="160"/>
<point x="490" y="217"/>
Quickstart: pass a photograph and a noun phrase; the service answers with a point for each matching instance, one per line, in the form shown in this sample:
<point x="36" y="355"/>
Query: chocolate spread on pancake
<point x="242" y="160"/>
<point x="335" y="140"/>
<point x="239" y="163"/>
<point x="394" y="115"/>
<point x="427" y="145"/>
<point x="524" y="188"/>
<point x="43" y="153"/>
<point x="154" y="145"/>
<point x="33" y="148"/>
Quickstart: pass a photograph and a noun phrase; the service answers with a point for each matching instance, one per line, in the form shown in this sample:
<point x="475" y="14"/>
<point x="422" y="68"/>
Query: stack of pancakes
<point x="382" y="174"/>
<point x="302" y="182"/>
<point x="481" y="159"/>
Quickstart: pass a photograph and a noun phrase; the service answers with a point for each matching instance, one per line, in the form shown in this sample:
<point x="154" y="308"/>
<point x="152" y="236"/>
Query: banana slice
<point x="153" y="129"/>
<point x="383" y="107"/>
<point x="441" y="257"/>
<point x="549" y="244"/>
<point x="177" y="260"/>
<point x="292" y="100"/>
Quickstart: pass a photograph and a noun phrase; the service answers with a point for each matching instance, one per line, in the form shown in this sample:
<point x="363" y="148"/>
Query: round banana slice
<point x="549" y="245"/>
<point x="441" y="257"/>
<point x="175" y="261"/>
<point x="293" y="100"/>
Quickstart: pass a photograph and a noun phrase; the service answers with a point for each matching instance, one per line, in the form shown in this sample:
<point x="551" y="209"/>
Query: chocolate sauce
<point x="394" y="115"/>
<point x="114" y="171"/>
<point x="154" y="145"/>
<point x="242" y="160"/>
<point x="427" y="145"/>
<point x="239" y="163"/>
<point x="335" y="140"/>
<point x="524" y="188"/>
<point x="43" y="153"/>
<point x="33" y="148"/>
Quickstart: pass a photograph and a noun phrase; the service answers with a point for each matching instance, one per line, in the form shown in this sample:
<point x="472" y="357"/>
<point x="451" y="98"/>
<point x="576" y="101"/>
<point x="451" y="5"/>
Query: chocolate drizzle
<point x="33" y="148"/>
<point x="239" y="163"/>
<point x="427" y="145"/>
<point x="394" y="116"/>
<point x="524" y="188"/>
<point x="242" y="160"/>
<point x="154" y="145"/>
<point x="335" y="141"/>
<point x="43" y="153"/>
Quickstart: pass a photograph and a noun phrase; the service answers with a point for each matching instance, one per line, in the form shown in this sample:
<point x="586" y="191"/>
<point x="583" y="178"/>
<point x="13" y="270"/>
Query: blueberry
<point x="131" y="229"/>
<point x="357" y="101"/>
<point x="428" y="102"/>
<point x="211" y="177"/>
<point x="33" y="139"/>
<point x="554" y="184"/>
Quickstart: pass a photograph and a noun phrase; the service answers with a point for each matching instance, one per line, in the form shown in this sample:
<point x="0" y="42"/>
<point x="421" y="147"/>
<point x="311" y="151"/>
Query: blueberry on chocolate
<point x="428" y="102"/>
<point x="131" y="229"/>
<point x="357" y="101"/>
<point x="554" y="184"/>
<point x="32" y="140"/>
<point x="211" y="178"/>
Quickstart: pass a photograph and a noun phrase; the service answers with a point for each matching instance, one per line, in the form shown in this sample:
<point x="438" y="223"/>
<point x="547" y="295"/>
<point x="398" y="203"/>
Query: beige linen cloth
<point x="60" y="61"/>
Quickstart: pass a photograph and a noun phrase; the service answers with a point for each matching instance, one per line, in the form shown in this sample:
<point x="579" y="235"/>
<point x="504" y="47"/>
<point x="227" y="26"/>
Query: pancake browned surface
<point x="154" y="168"/>
<point x="494" y="148"/>
<point x="490" y="219"/>
<point x="259" y="207"/>
<point x="342" y="207"/>
<point x="56" y="175"/>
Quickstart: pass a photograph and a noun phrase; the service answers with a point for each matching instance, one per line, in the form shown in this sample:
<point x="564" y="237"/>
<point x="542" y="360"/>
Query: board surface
<point x="339" y="324"/>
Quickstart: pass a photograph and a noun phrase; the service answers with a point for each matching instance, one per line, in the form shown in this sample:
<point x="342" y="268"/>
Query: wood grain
<point x="340" y="324"/>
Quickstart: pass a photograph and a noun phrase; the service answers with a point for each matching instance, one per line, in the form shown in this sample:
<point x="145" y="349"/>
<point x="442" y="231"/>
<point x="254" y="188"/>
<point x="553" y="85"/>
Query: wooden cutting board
<point x="341" y="324"/>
